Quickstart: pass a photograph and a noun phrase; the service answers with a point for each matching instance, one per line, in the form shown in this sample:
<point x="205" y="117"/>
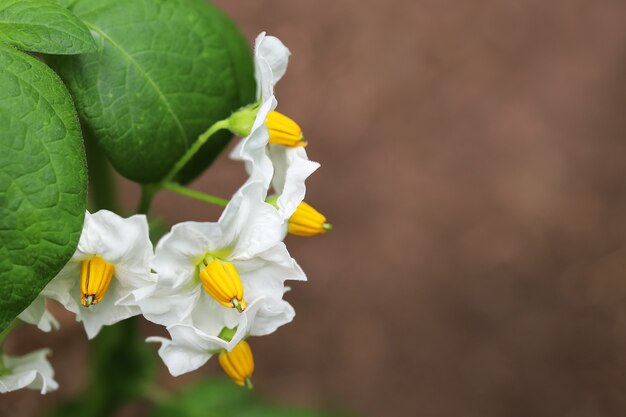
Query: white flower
<point x="111" y="261"/>
<point x="279" y="160"/>
<point x="240" y="260"/>
<point x="38" y="314"/>
<point x="29" y="371"/>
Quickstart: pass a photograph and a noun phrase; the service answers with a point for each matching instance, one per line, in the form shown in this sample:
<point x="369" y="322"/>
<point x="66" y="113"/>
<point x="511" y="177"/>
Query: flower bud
<point x="306" y="221"/>
<point x="240" y="122"/>
<point x="238" y="364"/>
<point x="221" y="280"/>
<point x="95" y="278"/>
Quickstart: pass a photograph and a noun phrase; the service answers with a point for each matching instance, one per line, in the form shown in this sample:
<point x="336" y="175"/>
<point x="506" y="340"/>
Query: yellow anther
<point x="306" y="221"/>
<point x="221" y="280"/>
<point x="239" y="364"/>
<point x="283" y="130"/>
<point x="95" y="278"/>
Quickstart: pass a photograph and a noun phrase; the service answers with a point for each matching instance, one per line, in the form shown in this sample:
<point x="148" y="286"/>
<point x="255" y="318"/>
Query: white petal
<point x="273" y="263"/>
<point x="271" y="59"/>
<point x="107" y="312"/>
<point x="252" y="149"/>
<point x="209" y="316"/>
<point x="178" y="358"/>
<point x="291" y="169"/>
<point x="65" y="287"/>
<point x="179" y="251"/>
<point x="190" y="348"/>
<point x="168" y="306"/>
<point x="118" y="240"/>
<point x="32" y="371"/>
<point x="263" y="279"/>
<point x="38" y="314"/>
<point x="256" y="224"/>
<point x="270" y="317"/>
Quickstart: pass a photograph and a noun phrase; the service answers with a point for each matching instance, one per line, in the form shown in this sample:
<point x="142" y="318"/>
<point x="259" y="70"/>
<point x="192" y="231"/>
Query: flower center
<point x="238" y="364"/>
<point x="95" y="278"/>
<point x="283" y="130"/>
<point x="306" y="221"/>
<point x="221" y="281"/>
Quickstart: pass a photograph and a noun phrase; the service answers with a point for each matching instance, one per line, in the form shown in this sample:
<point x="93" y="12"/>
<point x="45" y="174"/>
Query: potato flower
<point x="111" y="261"/>
<point x="215" y="276"/>
<point x="273" y="147"/>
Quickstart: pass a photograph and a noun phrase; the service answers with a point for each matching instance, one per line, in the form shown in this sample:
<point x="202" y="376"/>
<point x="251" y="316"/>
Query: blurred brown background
<point x="474" y="167"/>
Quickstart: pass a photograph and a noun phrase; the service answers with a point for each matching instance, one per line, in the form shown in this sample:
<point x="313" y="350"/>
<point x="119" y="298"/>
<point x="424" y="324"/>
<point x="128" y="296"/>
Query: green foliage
<point x="221" y="397"/>
<point x="42" y="179"/>
<point x="164" y="72"/>
<point x="121" y="368"/>
<point x="43" y="26"/>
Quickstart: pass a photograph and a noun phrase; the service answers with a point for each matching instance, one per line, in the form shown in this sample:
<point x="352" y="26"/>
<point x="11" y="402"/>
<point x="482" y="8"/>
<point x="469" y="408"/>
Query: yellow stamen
<point x="238" y="364"/>
<point x="306" y="221"/>
<point x="95" y="278"/>
<point x="283" y="130"/>
<point x="222" y="282"/>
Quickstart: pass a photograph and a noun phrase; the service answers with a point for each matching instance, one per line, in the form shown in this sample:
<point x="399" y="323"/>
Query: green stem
<point x="149" y="190"/>
<point x="102" y="190"/>
<point x="147" y="194"/>
<point x="219" y="125"/>
<point x="195" y="194"/>
<point x="121" y="368"/>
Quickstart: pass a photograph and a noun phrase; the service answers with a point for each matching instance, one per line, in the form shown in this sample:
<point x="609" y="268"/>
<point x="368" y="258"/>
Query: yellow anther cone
<point x="283" y="130"/>
<point x="95" y="278"/>
<point x="239" y="364"/>
<point x="306" y="221"/>
<point x="221" y="281"/>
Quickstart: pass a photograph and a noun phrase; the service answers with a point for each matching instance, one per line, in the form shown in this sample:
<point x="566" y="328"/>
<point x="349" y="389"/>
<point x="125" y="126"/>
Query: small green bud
<point x="241" y="121"/>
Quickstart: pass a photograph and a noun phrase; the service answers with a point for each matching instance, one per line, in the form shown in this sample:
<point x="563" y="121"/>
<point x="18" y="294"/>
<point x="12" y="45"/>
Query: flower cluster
<point x="211" y="284"/>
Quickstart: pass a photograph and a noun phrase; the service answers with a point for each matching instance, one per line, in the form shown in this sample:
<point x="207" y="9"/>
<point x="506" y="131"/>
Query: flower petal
<point x="178" y="252"/>
<point x="107" y="312"/>
<point x="29" y="371"/>
<point x="291" y="169"/>
<point x="38" y="314"/>
<point x="179" y="358"/>
<point x="118" y="240"/>
<point x="271" y="57"/>
<point x="252" y="149"/>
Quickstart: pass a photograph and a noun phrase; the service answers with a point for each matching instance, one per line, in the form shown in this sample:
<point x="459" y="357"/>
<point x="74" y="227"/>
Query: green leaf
<point x="43" y="26"/>
<point x="221" y="397"/>
<point x="165" y="71"/>
<point x="42" y="179"/>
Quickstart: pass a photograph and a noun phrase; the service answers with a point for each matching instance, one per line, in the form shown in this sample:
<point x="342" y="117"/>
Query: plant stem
<point x="147" y="194"/>
<point x="195" y="194"/>
<point x="180" y="164"/>
<point x="122" y="368"/>
<point x="149" y="190"/>
<point x="102" y="190"/>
